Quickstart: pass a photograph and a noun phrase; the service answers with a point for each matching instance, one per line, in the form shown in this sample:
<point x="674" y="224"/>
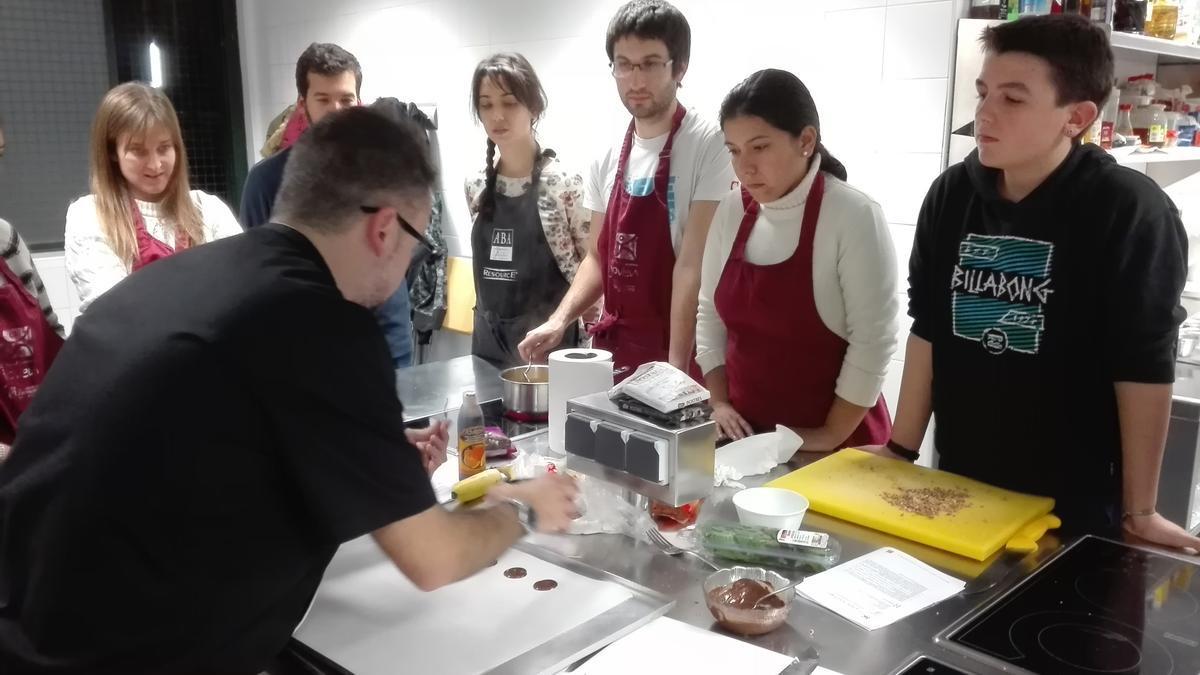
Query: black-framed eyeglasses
<point x="412" y="231"/>
<point x="624" y="69"/>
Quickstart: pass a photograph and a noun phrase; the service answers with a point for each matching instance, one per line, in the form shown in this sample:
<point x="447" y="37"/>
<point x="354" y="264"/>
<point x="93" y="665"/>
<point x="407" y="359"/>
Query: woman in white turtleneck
<point x="140" y="208"/>
<point x="797" y="315"/>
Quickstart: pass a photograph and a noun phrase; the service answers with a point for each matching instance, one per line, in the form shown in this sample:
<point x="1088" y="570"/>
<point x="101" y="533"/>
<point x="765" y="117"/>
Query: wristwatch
<point x="525" y="514"/>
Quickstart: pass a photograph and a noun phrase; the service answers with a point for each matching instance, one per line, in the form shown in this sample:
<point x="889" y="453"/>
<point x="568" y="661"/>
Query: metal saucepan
<point x="526" y="393"/>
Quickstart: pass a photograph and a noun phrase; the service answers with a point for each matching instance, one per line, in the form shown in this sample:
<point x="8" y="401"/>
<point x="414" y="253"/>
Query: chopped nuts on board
<point x="928" y="501"/>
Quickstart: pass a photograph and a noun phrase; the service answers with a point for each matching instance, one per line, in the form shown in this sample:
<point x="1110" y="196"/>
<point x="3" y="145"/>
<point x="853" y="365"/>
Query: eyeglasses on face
<point x="412" y="231"/>
<point x="653" y="68"/>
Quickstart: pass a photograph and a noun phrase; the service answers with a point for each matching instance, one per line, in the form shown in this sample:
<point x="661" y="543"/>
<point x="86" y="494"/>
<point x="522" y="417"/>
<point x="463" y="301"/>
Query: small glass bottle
<point x="1125" y="122"/>
<point x="472" y="439"/>
<point x="1157" y="131"/>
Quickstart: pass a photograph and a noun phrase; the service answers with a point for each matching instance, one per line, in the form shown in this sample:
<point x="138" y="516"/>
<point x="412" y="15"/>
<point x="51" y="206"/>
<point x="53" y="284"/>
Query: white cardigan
<point x="854" y="276"/>
<point x="93" y="265"/>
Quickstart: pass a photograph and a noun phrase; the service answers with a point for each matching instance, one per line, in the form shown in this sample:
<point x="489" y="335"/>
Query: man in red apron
<point x="652" y="199"/>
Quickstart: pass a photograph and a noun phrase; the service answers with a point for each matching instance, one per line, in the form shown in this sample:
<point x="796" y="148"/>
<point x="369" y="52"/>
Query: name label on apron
<point x="499" y="275"/>
<point x="502" y="246"/>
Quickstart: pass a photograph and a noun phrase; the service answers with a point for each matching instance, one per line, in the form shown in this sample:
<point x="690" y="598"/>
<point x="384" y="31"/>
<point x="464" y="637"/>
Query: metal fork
<point x="672" y="550"/>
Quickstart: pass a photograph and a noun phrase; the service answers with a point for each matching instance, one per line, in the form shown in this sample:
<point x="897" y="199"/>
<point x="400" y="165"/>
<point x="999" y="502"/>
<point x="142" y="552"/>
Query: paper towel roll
<point x="573" y="373"/>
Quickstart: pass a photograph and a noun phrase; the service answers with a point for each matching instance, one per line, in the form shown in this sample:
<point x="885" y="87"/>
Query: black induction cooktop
<point x="1099" y="607"/>
<point x="494" y="415"/>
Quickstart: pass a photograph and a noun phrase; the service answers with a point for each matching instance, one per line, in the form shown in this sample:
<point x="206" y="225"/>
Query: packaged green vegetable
<point x="806" y="551"/>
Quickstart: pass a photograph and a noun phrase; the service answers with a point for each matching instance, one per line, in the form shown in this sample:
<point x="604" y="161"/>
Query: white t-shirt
<point x="854" y="276"/>
<point x="94" y="266"/>
<point x="700" y="171"/>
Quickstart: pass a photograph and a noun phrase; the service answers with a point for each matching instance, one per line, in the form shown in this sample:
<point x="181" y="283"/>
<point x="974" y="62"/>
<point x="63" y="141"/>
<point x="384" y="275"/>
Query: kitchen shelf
<point x="1129" y="156"/>
<point x="1153" y="45"/>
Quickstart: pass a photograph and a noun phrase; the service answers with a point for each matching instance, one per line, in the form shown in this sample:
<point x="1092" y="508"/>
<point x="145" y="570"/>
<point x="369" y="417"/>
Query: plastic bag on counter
<point x="662" y="387"/>
<point x="754" y="455"/>
<point x="604" y="510"/>
<point x="529" y="465"/>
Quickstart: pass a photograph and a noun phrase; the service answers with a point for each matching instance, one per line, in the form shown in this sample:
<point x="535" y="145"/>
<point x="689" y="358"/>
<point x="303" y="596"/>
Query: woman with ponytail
<point x="530" y="228"/>
<point x="140" y="208"/>
<point x="797" y="313"/>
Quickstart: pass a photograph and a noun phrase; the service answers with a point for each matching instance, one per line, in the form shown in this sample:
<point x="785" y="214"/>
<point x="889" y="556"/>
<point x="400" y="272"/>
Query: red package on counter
<point x="674" y="517"/>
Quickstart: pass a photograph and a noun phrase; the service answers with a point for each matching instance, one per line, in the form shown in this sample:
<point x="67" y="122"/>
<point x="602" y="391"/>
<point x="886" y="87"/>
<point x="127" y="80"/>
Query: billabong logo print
<point x="999" y="291"/>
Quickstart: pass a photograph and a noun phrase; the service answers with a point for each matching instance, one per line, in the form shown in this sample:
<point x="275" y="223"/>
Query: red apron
<point x="150" y="249"/>
<point x="781" y="361"/>
<point x="28" y="346"/>
<point x="637" y="260"/>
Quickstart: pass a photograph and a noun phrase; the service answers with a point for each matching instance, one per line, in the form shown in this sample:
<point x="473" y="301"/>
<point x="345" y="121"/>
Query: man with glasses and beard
<point x="652" y="198"/>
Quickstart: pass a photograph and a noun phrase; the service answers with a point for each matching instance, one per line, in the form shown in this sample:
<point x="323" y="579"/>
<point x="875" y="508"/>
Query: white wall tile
<point x="899" y="181"/>
<point x="915" y="114"/>
<point x="854" y="40"/>
<point x="56" y="288"/>
<point x="905" y="326"/>
<point x="835" y="5"/>
<point x="902" y="239"/>
<point x="918" y="40"/>
<point x="467" y="21"/>
<point x="532" y="20"/>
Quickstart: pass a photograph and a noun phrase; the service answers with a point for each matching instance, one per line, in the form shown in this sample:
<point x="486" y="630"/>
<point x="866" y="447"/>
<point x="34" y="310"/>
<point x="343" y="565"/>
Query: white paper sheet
<point x="879" y="588"/>
<point x="669" y="646"/>
<point x="371" y="620"/>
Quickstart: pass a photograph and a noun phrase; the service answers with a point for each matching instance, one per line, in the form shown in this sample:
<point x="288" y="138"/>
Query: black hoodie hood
<point x="1073" y="177"/>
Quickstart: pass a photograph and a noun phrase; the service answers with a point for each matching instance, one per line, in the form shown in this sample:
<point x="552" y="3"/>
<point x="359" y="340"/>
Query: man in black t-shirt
<point x="221" y="421"/>
<point x="1044" y="289"/>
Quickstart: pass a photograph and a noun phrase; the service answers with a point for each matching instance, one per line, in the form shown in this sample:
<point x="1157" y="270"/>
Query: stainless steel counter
<point x="811" y="632"/>
<point x="431" y="389"/>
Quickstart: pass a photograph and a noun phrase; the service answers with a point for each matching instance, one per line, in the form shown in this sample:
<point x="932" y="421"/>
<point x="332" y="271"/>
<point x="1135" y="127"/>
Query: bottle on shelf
<point x="1156" y="131"/>
<point x="1141" y="123"/>
<point x="988" y="9"/>
<point x="1124" y="126"/>
<point x="1108" y="118"/>
<point x="1187" y="130"/>
<point x="1162" y="20"/>
<point x="1129" y="16"/>
<point x="1186" y="27"/>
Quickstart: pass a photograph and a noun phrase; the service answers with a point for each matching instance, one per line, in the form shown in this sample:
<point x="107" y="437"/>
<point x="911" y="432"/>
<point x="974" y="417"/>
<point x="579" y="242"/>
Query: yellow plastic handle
<point x="1026" y="540"/>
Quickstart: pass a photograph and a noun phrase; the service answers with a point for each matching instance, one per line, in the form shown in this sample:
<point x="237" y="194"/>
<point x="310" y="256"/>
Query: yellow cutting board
<point x="851" y="485"/>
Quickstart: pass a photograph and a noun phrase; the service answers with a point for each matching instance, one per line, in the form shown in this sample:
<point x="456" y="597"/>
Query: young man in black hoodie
<point x="1044" y="290"/>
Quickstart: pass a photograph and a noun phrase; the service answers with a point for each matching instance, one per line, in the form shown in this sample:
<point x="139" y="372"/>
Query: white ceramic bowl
<point x="771" y="507"/>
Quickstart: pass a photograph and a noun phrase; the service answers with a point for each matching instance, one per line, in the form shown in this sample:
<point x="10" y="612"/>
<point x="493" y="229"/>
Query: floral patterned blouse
<point x="565" y="220"/>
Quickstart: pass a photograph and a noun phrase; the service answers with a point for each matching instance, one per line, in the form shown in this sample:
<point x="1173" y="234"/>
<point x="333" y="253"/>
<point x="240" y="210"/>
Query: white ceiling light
<point x="156" y="70"/>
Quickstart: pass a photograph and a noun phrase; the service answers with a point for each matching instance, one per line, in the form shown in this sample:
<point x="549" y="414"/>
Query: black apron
<point x="517" y="280"/>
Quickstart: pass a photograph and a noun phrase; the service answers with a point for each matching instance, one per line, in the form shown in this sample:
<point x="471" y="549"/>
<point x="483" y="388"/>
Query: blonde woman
<point x="141" y="208"/>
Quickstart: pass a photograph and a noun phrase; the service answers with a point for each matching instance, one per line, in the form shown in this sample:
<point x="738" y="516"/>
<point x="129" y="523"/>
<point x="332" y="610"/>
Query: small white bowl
<point x="771" y="507"/>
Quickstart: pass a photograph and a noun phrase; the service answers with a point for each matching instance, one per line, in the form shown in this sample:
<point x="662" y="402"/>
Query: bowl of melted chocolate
<point x="732" y="594"/>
